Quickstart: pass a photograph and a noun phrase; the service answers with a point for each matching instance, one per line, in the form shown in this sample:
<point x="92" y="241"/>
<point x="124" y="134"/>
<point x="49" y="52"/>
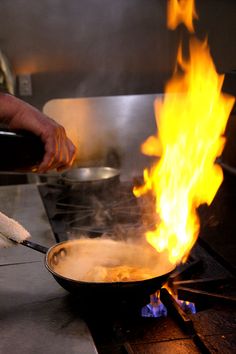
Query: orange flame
<point x="181" y="11"/>
<point x="191" y="121"/>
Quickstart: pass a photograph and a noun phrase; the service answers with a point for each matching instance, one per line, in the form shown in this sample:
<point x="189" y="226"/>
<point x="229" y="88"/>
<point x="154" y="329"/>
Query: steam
<point x="106" y="260"/>
<point x="120" y="255"/>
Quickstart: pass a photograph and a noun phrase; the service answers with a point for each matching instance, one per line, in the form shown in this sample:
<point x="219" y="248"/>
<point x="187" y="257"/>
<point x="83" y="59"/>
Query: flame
<point x="187" y="306"/>
<point x="181" y="11"/>
<point x="191" y="121"/>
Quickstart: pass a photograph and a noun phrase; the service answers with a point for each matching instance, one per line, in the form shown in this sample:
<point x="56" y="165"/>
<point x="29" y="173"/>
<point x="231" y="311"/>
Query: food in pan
<point x="106" y="260"/>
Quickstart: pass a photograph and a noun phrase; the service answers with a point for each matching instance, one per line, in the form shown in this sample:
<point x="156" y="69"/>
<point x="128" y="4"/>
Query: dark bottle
<point x="20" y="150"/>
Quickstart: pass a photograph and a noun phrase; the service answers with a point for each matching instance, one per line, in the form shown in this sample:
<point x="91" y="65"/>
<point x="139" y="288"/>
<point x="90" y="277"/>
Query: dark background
<point x="83" y="48"/>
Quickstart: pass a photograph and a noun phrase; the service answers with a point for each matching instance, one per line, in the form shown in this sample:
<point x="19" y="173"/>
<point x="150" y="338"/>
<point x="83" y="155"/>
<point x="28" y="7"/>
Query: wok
<point x="104" y="292"/>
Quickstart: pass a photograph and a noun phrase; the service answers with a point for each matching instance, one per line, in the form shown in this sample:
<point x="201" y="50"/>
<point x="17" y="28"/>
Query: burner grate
<point x="116" y="213"/>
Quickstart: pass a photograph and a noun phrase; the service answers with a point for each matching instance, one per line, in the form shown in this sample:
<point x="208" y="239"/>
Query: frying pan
<point x="88" y="179"/>
<point x="104" y="292"/>
<point x="89" y="176"/>
<point x="80" y="177"/>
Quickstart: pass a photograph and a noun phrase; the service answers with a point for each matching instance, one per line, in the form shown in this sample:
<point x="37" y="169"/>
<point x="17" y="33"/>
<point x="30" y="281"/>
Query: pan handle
<point x="34" y="246"/>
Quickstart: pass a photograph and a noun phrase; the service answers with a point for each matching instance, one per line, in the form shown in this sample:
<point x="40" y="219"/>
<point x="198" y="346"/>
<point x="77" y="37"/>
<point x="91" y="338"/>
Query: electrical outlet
<point x="25" y="85"/>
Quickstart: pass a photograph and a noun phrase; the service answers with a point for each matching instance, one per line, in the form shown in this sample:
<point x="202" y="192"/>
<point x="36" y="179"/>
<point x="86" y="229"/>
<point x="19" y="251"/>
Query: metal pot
<point x="89" y="175"/>
<point x="85" y="178"/>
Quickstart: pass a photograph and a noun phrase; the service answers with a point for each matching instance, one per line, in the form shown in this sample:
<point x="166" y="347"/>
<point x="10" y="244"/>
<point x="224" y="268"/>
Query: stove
<point x="194" y="312"/>
<point x="110" y="209"/>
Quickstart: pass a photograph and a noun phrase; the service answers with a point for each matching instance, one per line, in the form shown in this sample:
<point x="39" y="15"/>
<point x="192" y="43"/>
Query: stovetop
<point x="206" y="280"/>
<point x="75" y="212"/>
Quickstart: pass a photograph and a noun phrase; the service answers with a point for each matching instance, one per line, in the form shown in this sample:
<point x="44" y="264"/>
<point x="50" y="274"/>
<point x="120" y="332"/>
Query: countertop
<point x="36" y="315"/>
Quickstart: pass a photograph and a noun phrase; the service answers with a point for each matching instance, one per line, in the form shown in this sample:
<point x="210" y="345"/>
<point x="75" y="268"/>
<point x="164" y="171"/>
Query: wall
<point x="104" y="47"/>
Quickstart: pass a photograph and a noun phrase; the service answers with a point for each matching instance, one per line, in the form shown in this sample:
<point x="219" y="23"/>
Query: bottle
<point x="20" y="150"/>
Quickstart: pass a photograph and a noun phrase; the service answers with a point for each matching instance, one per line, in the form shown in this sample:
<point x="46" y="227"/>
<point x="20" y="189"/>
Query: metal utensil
<point x="90" y="178"/>
<point x="78" y="177"/>
<point x="104" y="292"/>
<point x="89" y="174"/>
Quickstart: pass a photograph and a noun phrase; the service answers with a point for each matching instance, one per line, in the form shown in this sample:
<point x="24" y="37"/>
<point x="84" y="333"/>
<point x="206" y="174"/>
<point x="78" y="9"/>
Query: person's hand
<point x="59" y="150"/>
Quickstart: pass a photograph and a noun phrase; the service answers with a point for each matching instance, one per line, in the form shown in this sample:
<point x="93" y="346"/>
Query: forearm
<point x="9" y="107"/>
<point x="18" y="114"/>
